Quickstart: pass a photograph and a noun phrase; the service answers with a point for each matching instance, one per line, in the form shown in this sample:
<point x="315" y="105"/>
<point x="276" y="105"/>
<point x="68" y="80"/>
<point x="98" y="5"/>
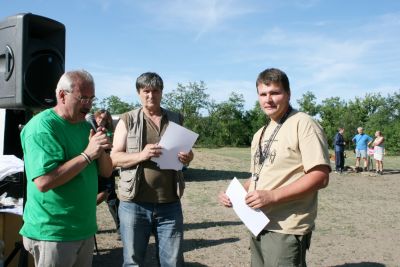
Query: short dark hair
<point x="149" y="80"/>
<point x="275" y="76"/>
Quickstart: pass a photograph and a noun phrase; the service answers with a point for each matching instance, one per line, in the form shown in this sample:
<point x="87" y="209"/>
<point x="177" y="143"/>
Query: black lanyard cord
<point x="263" y="155"/>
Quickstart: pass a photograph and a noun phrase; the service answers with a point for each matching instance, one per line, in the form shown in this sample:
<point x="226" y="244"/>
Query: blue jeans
<point x="139" y="220"/>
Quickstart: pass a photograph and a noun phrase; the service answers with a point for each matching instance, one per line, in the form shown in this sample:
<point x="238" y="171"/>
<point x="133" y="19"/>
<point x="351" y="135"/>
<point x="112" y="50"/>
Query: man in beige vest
<point x="290" y="163"/>
<point x="150" y="196"/>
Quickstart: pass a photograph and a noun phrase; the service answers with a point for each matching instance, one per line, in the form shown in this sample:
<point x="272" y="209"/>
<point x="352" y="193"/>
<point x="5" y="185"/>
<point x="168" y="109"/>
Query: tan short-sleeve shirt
<point x="299" y="146"/>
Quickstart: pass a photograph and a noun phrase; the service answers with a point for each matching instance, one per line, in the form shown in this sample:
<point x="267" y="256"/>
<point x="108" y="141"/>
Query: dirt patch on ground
<point x="358" y="220"/>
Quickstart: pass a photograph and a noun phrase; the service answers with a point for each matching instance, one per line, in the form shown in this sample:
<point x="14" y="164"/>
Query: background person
<point x="290" y="163"/>
<point x="361" y="140"/>
<point x="379" y="151"/>
<point x="63" y="157"/>
<point x="339" y="150"/>
<point x="150" y="197"/>
<point x="106" y="188"/>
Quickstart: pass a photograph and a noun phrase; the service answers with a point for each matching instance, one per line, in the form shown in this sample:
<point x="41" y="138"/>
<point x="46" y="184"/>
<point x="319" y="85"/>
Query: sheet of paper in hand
<point x="174" y="140"/>
<point x="255" y="220"/>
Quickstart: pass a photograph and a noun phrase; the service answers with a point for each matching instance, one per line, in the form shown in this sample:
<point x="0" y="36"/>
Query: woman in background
<point x="106" y="190"/>
<point x="379" y="151"/>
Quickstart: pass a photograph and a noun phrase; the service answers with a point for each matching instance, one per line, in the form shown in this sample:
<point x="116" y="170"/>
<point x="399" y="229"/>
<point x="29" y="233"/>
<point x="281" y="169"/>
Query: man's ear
<point x="61" y="95"/>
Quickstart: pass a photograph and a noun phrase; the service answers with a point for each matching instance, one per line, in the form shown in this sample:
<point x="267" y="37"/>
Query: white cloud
<point x="197" y="16"/>
<point x="105" y="5"/>
<point x="390" y="20"/>
<point x="318" y="57"/>
<point x="336" y="64"/>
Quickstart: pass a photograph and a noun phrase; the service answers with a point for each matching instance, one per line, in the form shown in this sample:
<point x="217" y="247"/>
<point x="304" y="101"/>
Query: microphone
<point x="92" y="121"/>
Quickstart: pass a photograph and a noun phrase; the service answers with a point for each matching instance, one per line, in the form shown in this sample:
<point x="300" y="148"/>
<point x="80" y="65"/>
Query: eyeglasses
<point x="83" y="100"/>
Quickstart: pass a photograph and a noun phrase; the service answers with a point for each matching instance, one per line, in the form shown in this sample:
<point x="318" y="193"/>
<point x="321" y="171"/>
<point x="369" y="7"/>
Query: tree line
<point x="228" y="123"/>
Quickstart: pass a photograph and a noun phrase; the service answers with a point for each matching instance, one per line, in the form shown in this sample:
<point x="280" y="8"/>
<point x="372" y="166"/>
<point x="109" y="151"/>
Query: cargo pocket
<point x="128" y="183"/>
<point x="132" y="143"/>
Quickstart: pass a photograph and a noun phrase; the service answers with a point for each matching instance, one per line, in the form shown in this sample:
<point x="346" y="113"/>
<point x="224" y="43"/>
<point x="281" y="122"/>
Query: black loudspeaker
<point x="32" y="52"/>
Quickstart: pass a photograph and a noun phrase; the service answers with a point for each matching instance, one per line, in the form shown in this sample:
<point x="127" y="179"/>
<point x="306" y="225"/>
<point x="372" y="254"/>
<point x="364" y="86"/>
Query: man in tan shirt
<point x="290" y="163"/>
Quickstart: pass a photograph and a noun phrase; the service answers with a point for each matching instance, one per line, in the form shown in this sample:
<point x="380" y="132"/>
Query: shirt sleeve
<point x="42" y="154"/>
<point x="313" y="145"/>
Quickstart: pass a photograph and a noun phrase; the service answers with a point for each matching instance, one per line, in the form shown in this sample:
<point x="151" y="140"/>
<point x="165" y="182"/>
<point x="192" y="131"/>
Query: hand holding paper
<point x="175" y="139"/>
<point x="255" y="220"/>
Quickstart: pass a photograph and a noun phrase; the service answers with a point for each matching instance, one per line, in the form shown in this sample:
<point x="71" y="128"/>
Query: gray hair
<point x="71" y="79"/>
<point x="149" y="80"/>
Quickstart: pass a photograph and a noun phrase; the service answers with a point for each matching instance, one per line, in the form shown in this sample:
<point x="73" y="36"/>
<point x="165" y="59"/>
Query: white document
<point x="174" y="140"/>
<point x="255" y="220"/>
<point x="10" y="164"/>
<point x="14" y="210"/>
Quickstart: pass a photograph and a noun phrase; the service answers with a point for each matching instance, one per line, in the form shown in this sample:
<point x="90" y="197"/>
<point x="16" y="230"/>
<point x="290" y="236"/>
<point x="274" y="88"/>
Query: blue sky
<point x="331" y="48"/>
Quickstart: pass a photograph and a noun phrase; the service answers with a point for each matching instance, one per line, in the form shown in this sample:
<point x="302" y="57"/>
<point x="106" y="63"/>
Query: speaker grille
<point x="41" y="77"/>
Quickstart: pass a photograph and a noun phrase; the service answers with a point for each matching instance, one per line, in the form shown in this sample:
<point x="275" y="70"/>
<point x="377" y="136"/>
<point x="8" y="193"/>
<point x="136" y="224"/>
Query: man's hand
<point x="185" y="158"/>
<point x="149" y="151"/>
<point x="98" y="142"/>
<point x="224" y="200"/>
<point x="260" y="198"/>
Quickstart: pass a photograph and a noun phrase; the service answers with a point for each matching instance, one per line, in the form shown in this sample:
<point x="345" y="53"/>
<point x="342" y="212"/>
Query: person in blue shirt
<point x="362" y="141"/>
<point x="339" y="144"/>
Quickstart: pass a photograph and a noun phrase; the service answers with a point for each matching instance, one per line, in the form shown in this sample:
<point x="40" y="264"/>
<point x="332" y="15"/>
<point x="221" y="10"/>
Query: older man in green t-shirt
<point x="63" y="157"/>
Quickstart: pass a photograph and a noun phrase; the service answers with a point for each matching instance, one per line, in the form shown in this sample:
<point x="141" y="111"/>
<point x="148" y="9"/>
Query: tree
<point x="385" y="118"/>
<point x="308" y="104"/>
<point x="332" y="116"/>
<point x="114" y="105"/>
<point x="228" y="124"/>
<point x="188" y="100"/>
<point x="255" y="119"/>
<point x="232" y="129"/>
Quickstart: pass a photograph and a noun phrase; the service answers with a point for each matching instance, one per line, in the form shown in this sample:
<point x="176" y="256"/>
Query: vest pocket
<point x="132" y="143"/>
<point x="128" y="183"/>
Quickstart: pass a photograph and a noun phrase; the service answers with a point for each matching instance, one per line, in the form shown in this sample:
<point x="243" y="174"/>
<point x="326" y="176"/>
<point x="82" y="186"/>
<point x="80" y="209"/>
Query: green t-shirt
<point x="68" y="212"/>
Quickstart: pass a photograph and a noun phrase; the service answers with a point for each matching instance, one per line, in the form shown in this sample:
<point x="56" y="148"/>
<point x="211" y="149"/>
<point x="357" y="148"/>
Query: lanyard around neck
<point x="264" y="155"/>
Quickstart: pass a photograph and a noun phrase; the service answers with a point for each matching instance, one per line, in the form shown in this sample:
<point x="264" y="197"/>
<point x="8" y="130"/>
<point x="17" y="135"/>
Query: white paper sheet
<point x="174" y="140"/>
<point x="14" y="210"/>
<point x="10" y="164"/>
<point x="255" y="220"/>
